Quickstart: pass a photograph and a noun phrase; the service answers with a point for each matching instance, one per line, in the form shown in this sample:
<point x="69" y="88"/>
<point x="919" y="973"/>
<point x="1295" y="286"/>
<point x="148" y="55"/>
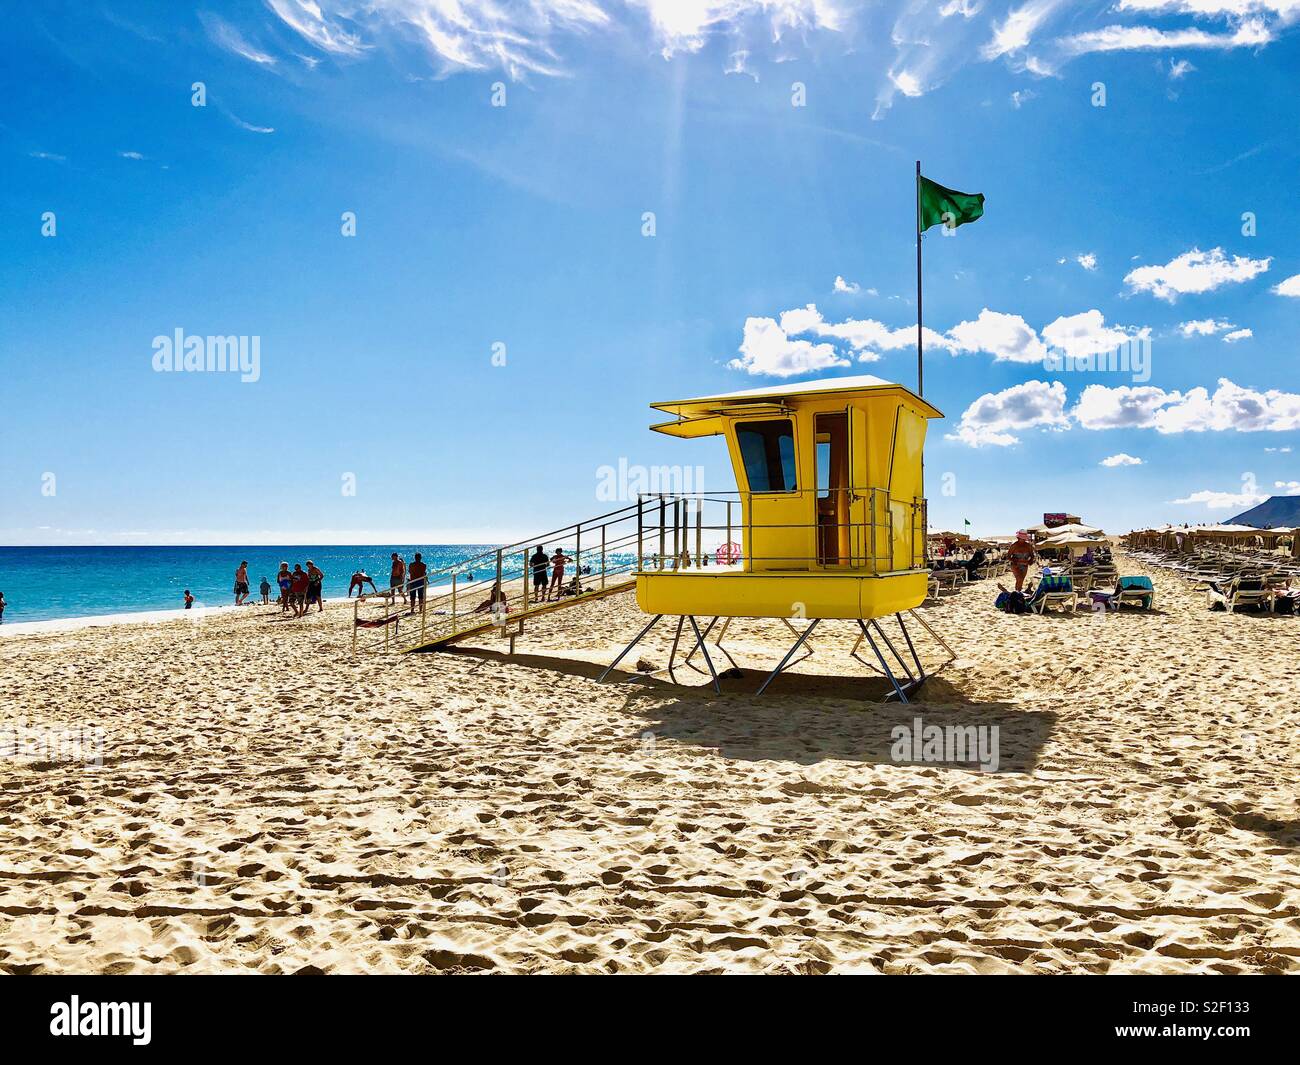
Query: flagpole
<point x="920" y="371"/>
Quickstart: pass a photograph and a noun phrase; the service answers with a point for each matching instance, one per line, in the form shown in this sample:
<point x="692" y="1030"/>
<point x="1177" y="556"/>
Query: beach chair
<point x="1137" y="590"/>
<point x="1247" y="591"/>
<point x="1055" y="589"/>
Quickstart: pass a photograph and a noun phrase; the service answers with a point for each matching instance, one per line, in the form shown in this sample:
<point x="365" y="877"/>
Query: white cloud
<point x="1123" y="407"/>
<point x="1223" y="500"/>
<point x="1120" y="460"/>
<point x="131" y="155"/>
<point x="1230" y="408"/>
<point x="1289" y="287"/>
<point x="520" y="36"/>
<point x="1248" y="34"/>
<point x="1282" y="450"/>
<point x="1205" y="327"/>
<point x="312" y="22"/>
<point x="1212" y="8"/>
<point x="1194" y="271"/>
<point x="1287" y="488"/>
<point x="1021" y="97"/>
<point x="1237" y="334"/>
<point x="1018" y="28"/>
<point x="846" y="286"/>
<point x="1084" y="334"/>
<point x="767" y="349"/>
<point x="1180" y="68"/>
<point x="228" y="37"/>
<point x="1007" y="337"/>
<point x="1087" y="260"/>
<point x="993" y="418"/>
<point x="48" y="156"/>
<point x="866" y="336"/>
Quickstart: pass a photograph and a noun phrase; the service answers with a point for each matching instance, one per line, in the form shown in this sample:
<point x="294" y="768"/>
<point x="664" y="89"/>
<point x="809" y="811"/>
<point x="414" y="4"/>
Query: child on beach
<point x="189" y="599"/>
<point x="266" y="591"/>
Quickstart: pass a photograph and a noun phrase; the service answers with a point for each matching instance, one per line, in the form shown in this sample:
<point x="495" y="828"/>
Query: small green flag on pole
<point x="937" y="206"/>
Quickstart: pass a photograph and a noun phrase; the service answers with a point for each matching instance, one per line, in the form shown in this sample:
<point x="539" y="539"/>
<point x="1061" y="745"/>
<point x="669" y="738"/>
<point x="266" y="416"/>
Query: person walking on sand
<point x="241" y="584"/>
<point x="285" y="581"/>
<point x="1020" y="556"/>
<point x="415" y="580"/>
<point x="539" y="565"/>
<point x="298" y="590"/>
<point x="265" y="589"/>
<point x="557" y="572"/>
<point x="315" y="582"/>
<point x="359" y="581"/>
<point x="397" y="578"/>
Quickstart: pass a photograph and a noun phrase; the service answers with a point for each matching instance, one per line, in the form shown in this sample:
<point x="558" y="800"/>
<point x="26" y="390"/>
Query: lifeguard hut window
<point x="767" y="450"/>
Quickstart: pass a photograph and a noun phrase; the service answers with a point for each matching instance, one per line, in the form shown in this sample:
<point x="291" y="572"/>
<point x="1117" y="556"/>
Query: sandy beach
<point x="264" y="801"/>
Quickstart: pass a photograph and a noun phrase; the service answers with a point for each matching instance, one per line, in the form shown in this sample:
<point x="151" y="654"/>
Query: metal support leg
<point x="699" y="642"/>
<point x="707" y="629"/>
<point x="808" y="651"/>
<point x="636" y="640"/>
<point x="788" y="655"/>
<point x="920" y="669"/>
<point x="893" y="650"/>
<point x="681" y="620"/>
<point x="884" y="666"/>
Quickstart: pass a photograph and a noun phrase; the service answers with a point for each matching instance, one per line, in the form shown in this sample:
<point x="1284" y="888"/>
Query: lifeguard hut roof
<point x="702" y="416"/>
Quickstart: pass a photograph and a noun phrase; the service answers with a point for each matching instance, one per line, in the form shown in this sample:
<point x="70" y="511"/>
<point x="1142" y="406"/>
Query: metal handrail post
<point x="640" y="531"/>
<point x="525" y="573"/>
<point x="577" y="558"/>
<point x="699" y="531"/>
<point x="602" y="556"/>
<point x="453" y="604"/>
<point x="663" y="531"/>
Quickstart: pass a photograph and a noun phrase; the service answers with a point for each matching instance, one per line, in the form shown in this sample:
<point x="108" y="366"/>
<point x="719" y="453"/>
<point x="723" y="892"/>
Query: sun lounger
<point x="1137" y="590"/>
<point x="1055" y="589"/>
<point x="1248" y="591"/>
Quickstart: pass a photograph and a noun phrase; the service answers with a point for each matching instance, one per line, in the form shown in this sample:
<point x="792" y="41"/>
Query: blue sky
<point x="523" y="225"/>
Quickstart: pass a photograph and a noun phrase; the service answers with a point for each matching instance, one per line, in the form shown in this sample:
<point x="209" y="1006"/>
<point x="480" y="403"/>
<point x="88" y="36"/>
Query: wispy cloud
<point x="224" y="35"/>
<point x="49" y="156"/>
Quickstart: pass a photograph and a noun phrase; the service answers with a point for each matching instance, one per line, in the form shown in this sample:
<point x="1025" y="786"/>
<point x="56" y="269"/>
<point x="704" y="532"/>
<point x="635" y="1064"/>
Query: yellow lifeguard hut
<point x="828" y="520"/>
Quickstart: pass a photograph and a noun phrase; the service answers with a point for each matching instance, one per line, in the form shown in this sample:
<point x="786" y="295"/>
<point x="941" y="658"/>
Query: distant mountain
<point x="1279" y="510"/>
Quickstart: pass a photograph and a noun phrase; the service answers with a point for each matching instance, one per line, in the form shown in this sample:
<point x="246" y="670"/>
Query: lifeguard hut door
<point x="834" y="493"/>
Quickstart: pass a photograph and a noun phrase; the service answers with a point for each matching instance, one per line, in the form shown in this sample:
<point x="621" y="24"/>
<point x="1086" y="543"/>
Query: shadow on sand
<point x="805" y="717"/>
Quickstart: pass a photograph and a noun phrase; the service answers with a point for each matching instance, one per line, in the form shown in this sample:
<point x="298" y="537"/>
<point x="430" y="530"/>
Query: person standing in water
<point x="265" y="589"/>
<point x="241" y="584"/>
<point x="189" y="599"/>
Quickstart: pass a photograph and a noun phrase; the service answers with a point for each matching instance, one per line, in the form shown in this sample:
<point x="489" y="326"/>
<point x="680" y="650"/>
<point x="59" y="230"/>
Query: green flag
<point x="937" y="206"/>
